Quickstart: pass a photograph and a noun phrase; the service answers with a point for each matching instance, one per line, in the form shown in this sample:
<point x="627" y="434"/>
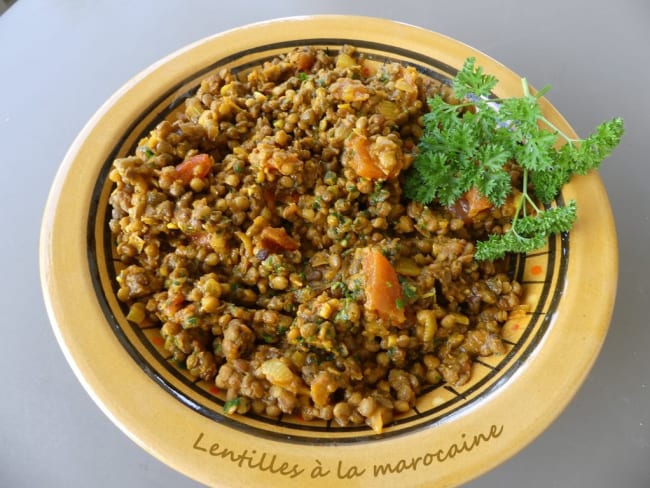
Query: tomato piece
<point x="276" y="239"/>
<point x="470" y="205"/>
<point x="476" y="202"/>
<point x="197" y="166"/>
<point x="382" y="288"/>
<point x="303" y="60"/>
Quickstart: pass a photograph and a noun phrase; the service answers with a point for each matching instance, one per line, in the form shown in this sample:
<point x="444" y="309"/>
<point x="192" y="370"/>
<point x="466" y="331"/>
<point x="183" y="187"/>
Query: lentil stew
<point x="263" y="229"/>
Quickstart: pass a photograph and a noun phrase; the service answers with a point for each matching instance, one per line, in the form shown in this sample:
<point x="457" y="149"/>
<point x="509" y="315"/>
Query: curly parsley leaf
<point x="528" y="233"/>
<point x="470" y="144"/>
<point x="472" y="81"/>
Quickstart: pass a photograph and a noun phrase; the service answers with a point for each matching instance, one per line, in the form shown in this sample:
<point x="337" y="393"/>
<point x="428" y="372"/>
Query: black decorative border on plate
<point x="540" y="320"/>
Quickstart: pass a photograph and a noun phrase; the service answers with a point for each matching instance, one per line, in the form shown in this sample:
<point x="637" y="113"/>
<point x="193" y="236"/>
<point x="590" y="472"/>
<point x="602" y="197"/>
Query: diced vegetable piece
<point x="388" y="109"/>
<point x="430" y="324"/>
<point x="279" y="374"/>
<point x="246" y="241"/>
<point x="345" y="61"/>
<point x="302" y="59"/>
<point x="369" y="67"/>
<point x="409" y="82"/>
<point x="197" y="166"/>
<point x="382" y="288"/>
<point x="362" y="163"/>
<point x="476" y="202"/>
<point x="322" y="387"/>
<point x="380" y="159"/>
<point x="137" y="313"/>
<point x="349" y="90"/>
<point x="407" y="267"/>
<point x="379" y="418"/>
<point x="470" y="205"/>
<point x="276" y="239"/>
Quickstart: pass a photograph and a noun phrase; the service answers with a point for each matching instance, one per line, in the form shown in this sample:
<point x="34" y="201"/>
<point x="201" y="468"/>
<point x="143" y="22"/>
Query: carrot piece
<point x="173" y="304"/>
<point x="382" y="288"/>
<point x="276" y="239"/>
<point x="197" y="166"/>
<point x="360" y="159"/>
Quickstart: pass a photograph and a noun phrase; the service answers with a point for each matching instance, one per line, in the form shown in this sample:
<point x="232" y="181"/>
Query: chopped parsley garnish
<point x="466" y="146"/>
<point x="230" y="406"/>
<point x="268" y="338"/>
<point x="316" y="204"/>
<point x="379" y="194"/>
<point x="408" y="289"/>
<point x="339" y="285"/>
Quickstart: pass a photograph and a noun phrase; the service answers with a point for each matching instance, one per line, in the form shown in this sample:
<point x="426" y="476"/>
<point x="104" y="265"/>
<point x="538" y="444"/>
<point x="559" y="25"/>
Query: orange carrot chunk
<point x="360" y="160"/>
<point x="382" y="288"/>
<point x="197" y="166"/>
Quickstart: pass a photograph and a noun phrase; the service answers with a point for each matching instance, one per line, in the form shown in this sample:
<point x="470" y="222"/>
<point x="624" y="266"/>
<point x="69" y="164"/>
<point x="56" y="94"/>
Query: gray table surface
<point x="60" y="59"/>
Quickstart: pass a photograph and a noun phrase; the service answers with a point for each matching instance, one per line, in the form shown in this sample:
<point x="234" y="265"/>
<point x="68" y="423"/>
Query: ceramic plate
<point x="452" y="434"/>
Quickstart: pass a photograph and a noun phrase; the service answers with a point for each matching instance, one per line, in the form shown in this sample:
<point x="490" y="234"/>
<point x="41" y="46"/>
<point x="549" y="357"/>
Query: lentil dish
<point x="264" y="230"/>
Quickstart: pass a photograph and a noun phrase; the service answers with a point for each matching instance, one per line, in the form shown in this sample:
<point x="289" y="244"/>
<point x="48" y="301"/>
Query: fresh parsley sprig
<point x="467" y="145"/>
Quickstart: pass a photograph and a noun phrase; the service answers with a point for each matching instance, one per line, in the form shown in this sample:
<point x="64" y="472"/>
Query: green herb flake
<point x="268" y="338"/>
<point x="316" y="204"/>
<point x="330" y="178"/>
<point x="342" y="315"/>
<point x="340" y="286"/>
<point x="230" y="406"/>
<point x="408" y="289"/>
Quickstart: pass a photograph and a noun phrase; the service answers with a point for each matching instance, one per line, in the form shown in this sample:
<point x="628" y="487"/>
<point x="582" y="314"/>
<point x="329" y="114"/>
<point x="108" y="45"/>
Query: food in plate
<point x="264" y="228"/>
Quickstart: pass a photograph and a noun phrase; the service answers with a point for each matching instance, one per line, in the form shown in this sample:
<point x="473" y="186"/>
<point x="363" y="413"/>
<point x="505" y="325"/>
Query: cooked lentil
<point x="263" y="229"/>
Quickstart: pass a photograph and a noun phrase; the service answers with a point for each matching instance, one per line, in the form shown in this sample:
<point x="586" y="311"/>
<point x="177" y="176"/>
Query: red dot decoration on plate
<point x="158" y="341"/>
<point x="536" y="270"/>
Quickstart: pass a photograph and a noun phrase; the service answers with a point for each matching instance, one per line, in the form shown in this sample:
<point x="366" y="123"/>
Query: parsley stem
<point x="524" y="201"/>
<point x="527" y="196"/>
<point x="525" y="87"/>
<point x="558" y="131"/>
